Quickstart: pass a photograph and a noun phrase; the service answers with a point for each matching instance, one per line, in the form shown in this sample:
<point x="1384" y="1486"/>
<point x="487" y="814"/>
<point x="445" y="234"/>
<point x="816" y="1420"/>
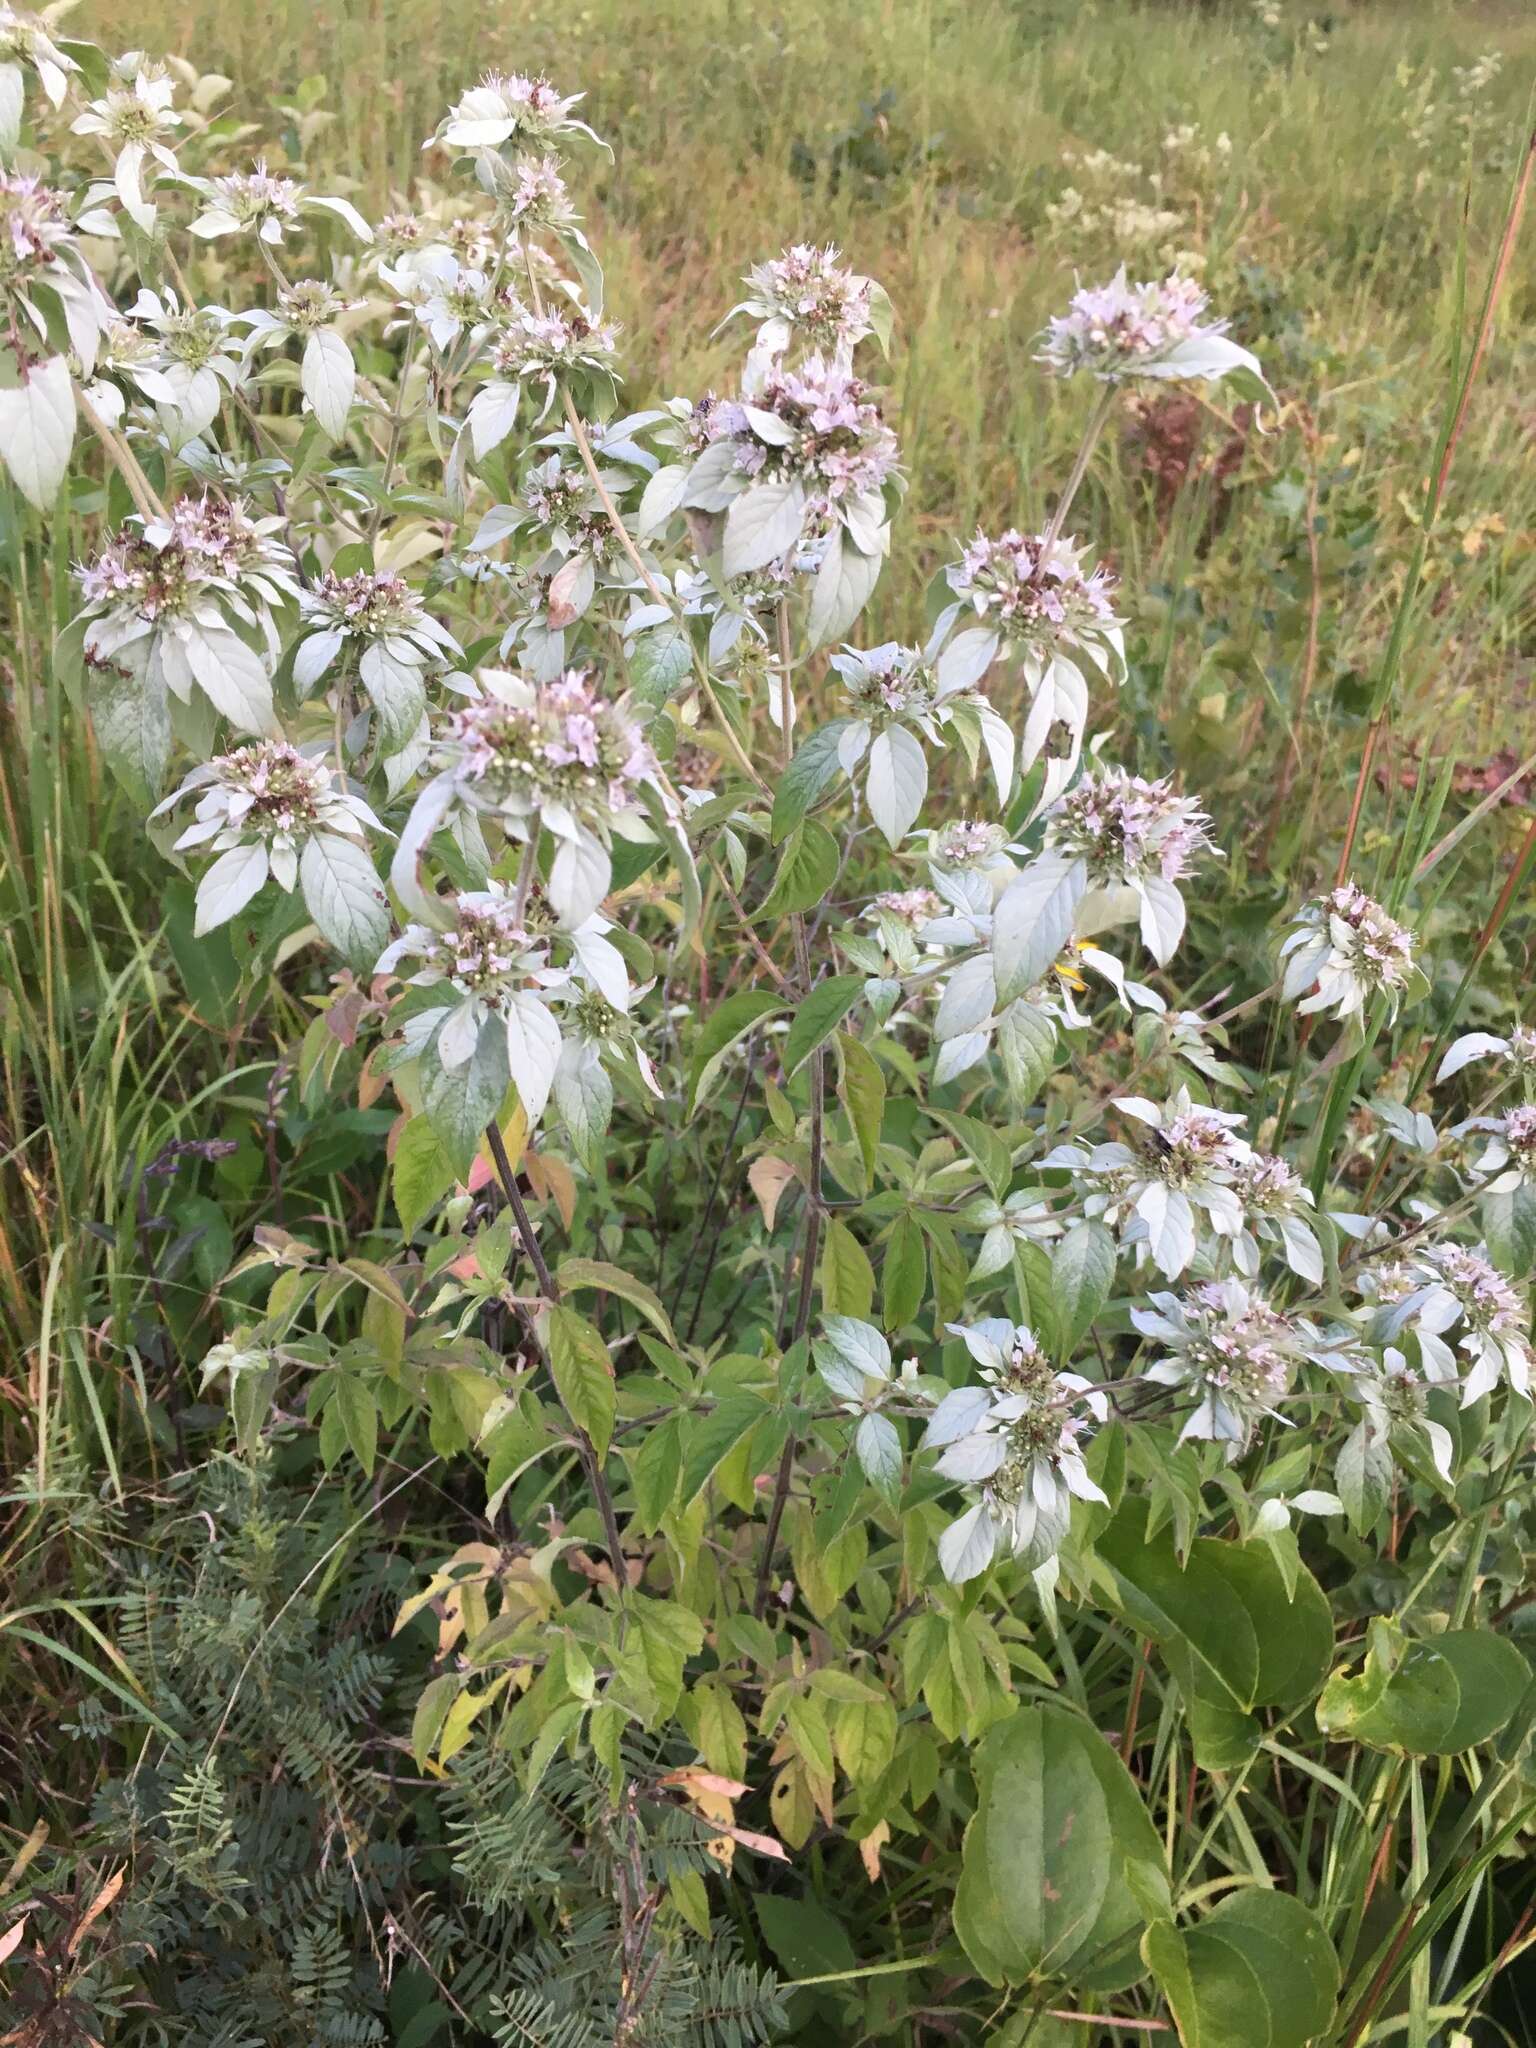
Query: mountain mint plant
<point x="830" y="1241"/>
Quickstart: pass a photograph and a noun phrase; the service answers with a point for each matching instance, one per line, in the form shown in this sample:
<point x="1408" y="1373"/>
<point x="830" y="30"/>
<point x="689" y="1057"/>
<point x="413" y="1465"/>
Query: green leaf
<point x="654" y="1471"/>
<point x="1258" y="1972"/>
<point x="460" y="1104"/>
<point x="1026" y="1045"/>
<point x="431" y="1712"/>
<point x="576" y="1274"/>
<point x="1234" y="1635"/>
<point x="862" y="1093"/>
<point x="1363" y="1474"/>
<point x="659" y="662"/>
<point x="420" y="1174"/>
<point x="714" y="1436"/>
<point x="1432" y="1698"/>
<point x="847" y="1277"/>
<point x="359" y="1418"/>
<point x="1046" y="1878"/>
<point x="583" y="1375"/>
<point x="904" y="1274"/>
<point x="726" y="1023"/>
<point x="864" y="1736"/>
<point x="804" y="1937"/>
<point x="990" y="1153"/>
<point x="807" y="869"/>
<point x="819" y="1016"/>
<point x="814" y="768"/>
<point x="1082" y="1273"/>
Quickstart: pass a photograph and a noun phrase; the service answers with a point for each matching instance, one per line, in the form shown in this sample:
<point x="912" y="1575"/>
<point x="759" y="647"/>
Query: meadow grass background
<point x="1347" y="231"/>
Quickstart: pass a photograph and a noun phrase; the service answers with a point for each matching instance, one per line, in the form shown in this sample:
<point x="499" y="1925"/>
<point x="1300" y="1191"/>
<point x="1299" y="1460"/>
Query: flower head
<point x="1126" y="828"/>
<point x="257" y="807"/>
<point x="1444" y="1286"/>
<point x="538" y="198"/>
<point x="507" y="106"/>
<point x="1120" y="330"/>
<point x="527" y="747"/>
<point x="1351" y="949"/>
<point x="817" y="425"/>
<point x="889" y="685"/>
<point x="1185" y="1165"/>
<point x="34" y="220"/>
<point x="259" y="199"/>
<point x="1034" y="592"/>
<point x="806" y="295"/>
<point x="1230" y="1349"/>
<point x="1019" y="1438"/>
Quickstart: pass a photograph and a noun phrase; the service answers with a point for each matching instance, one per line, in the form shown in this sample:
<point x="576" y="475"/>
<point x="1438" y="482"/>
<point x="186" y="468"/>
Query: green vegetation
<point x="389" y="1658"/>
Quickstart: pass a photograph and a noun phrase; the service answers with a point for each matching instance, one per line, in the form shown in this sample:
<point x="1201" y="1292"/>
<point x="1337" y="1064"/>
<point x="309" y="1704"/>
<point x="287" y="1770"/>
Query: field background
<point x="929" y="141"/>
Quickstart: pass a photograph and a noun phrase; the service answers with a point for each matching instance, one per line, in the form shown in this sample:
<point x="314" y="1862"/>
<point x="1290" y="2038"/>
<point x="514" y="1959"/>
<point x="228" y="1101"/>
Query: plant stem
<point x="1097" y="421"/>
<point x="549" y="1287"/>
<point x="123" y="459"/>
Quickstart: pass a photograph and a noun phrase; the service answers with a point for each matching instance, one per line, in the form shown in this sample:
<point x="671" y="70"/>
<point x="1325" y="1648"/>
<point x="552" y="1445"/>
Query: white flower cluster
<point x="1018" y="1438"/>
<point x="1348" y="951"/>
<point x="1120" y="331"/>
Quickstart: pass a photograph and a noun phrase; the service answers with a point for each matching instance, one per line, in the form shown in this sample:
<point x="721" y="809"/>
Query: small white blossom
<point x="1230" y="1349"/>
<point x="180" y="599"/>
<point x="26" y="44"/>
<point x="1446" y="1285"/>
<point x="1017" y="1438"/>
<point x="1034" y="603"/>
<point x="260" y="808"/>
<point x="1509" y="1156"/>
<point x="1156" y="1192"/>
<point x="1273" y="1195"/>
<point x="508" y="107"/>
<point x="1353" y="952"/>
<point x="556" y="753"/>
<point x="806" y="298"/>
<point x="132" y="118"/>
<point x="1121" y="331"/>
<point x="1137" y="840"/>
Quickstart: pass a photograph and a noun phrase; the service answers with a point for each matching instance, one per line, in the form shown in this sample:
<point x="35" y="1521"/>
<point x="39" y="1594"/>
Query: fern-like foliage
<point x="291" y="1883"/>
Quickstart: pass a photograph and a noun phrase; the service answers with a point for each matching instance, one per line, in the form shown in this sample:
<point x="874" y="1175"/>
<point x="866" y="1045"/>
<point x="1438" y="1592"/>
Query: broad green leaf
<point x="726" y="1023"/>
<point x="807" y="869"/>
<point x="1258" y="1972"/>
<point x="583" y="1374"/>
<point x="654" y="1471"/>
<point x="712" y="1437"/>
<point x="805" y="1939"/>
<point x="1437" y="1697"/>
<point x="982" y="1145"/>
<point x="431" y="1712"/>
<point x="576" y="1274"/>
<point x="1043" y="1890"/>
<point x="847" y="1277"/>
<point x="813" y="769"/>
<point x="904" y="1273"/>
<point x="862" y="1093"/>
<point x="1082" y="1272"/>
<point x="460" y="1102"/>
<point x="819" y="1016"/>
<point x="420" y="1174"/>
<point x="359" y="1418"/>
